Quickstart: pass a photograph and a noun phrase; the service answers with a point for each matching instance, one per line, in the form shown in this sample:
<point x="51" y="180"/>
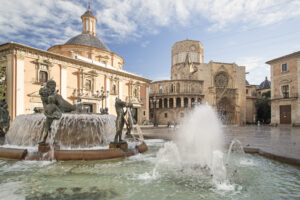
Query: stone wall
<point x="76" y="80"/>
<point x="289" y="78"/>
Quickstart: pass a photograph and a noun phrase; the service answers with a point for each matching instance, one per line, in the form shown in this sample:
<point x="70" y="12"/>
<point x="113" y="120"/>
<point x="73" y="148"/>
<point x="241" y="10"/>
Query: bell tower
<point x="89" y="22"/>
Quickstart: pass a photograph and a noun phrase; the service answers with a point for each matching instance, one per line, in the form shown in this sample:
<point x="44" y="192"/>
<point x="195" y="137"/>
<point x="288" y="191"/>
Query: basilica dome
<point x="87" y="40"/>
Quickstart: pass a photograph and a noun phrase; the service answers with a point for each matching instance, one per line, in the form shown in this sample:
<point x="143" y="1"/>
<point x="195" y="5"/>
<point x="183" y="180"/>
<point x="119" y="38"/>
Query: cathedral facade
<point x="221" y="85"/>
<point x="84" y="69"/>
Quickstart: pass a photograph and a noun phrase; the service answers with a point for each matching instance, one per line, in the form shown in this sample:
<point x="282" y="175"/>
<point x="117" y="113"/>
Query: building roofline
<point x="177" y="80"/>
<point x="187" y="40"/>
<point x="282" y="57"/>
<point x="13" y="45"/>
<point x="224" y="63"/>
<point x="66" y="45"/>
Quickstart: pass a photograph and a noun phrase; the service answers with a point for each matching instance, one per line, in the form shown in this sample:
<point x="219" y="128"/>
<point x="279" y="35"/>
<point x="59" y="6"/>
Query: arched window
<point x="178" y="102"/>
<point x="165" y="103"/>
<point x="199" y="100"/>
<point x="186" y="102"/>
<point x="193" y="102"/>
<point x="171" y="103"/>
<point x="160" y="89"/>
<point x="43" y="76"/>
<point x="171" y="88"/>
<point x="87" y="25"/>
<point x="160" y="103"/>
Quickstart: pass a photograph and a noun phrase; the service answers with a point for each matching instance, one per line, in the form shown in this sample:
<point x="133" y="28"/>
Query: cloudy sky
<point x="247" y="32"/>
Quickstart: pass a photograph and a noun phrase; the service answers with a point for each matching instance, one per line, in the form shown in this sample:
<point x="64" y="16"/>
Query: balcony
<point x="180" y="93"/>
<point x="285" y="96"/>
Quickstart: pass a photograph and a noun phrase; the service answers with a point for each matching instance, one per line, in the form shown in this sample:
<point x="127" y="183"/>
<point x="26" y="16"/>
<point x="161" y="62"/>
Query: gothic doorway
<point x="226" y="110"/>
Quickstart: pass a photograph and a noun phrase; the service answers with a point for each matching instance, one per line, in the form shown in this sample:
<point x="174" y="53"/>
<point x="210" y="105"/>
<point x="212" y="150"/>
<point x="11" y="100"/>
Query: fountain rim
<point x="72" y="155"/>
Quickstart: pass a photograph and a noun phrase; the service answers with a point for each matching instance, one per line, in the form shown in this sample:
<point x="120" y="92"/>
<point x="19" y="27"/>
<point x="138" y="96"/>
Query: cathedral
<point x="221" y="85"/>
<point x="84" y="69"/>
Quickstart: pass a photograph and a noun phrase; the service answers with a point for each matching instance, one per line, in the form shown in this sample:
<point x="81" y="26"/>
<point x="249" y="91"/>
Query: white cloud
<point x="145" y="44"/>
<point x="39" y="23"/>
<point x="55" y="21"/>
<point x="256" y="67"/>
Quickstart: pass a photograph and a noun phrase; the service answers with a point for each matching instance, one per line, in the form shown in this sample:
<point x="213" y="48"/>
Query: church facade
<point x="222" y="85"/>
<point x="84" y="69"/>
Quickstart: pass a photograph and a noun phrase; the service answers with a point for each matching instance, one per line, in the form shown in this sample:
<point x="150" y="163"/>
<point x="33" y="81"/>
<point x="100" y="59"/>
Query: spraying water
<point x="239" y="148"/>
<point x="136" y="128"/>
<point x="200" y="135"/>
<point x="198" y="144"/>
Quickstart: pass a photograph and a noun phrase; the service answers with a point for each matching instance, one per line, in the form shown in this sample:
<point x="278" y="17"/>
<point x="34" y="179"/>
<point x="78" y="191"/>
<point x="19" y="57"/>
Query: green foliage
<point x="263" y="108"/>
<point x="267" y="94"/>
<point x="2" y="83"/>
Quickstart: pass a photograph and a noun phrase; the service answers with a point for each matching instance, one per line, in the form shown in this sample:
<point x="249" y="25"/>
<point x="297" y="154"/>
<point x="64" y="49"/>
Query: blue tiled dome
<point x="266" y="84"/>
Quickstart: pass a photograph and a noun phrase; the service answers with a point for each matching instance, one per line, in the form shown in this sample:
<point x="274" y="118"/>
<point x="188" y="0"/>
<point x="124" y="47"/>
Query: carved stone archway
<point x="226" y="111"/>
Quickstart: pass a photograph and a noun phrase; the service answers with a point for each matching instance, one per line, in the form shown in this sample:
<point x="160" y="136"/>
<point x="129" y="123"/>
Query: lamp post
<point x="153" y="102"/>
<point x="103" y="95"/>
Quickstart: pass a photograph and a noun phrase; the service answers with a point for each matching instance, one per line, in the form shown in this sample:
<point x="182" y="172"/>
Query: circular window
<point x="221" y="79"/>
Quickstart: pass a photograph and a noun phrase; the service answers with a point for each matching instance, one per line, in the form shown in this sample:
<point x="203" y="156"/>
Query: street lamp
<point x="154" y="101"/>
<point x="103" y="95"/>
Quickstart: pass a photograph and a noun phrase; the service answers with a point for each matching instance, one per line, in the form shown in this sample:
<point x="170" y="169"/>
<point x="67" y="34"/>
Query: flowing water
<point x="251" y="177"/>
<point x="71" y="130"/>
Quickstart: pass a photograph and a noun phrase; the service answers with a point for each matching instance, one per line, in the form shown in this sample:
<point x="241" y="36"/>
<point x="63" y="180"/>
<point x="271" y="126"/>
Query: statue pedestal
<point x="121" y="145"/>
<point x="43" y="148"/>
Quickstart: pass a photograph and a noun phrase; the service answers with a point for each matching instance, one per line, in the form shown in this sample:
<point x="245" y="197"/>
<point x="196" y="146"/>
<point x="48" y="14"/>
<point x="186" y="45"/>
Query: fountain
<point x="63" y="132"/>
<point x="189" y="167"/>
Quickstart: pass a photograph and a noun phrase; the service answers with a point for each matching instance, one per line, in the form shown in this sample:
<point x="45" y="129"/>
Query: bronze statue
<point x="4" y="118"/>
<point x="119" y="105"/>
<point x="54" y="105"/>
<point x="52" y="112"/>
<point x="129" y="123"/>
<point x="62" y="104"/>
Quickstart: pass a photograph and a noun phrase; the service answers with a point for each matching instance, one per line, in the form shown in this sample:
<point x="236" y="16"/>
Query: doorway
<point x="285" y="114"/>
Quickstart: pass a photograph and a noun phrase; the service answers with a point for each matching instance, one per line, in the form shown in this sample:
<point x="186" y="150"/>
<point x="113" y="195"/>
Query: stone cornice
<point x="283" y="57"/>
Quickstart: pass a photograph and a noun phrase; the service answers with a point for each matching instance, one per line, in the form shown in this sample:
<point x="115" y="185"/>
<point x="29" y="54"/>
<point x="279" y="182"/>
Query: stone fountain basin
<point x="68" y="155"/>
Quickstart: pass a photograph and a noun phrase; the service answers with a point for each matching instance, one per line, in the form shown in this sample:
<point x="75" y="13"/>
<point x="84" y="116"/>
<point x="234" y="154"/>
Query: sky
<point x="245" y="32"/>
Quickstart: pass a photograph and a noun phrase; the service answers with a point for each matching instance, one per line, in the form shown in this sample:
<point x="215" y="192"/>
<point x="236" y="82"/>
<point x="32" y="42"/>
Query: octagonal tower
<point x="187" y="55"/>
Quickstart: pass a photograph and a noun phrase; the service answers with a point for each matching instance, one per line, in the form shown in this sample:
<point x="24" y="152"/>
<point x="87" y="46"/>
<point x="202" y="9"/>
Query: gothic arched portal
<point x="226" y="110"/>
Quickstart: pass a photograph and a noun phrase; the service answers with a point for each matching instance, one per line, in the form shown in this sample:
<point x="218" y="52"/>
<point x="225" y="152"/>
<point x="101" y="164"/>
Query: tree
<point x="2" y="83"/>
<point x="263" y="108"/>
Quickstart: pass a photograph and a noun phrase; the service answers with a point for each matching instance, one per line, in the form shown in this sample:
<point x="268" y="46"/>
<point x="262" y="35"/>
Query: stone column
<point x="63" y="81"/>
<point x="168" y="102"/>
<point x="182" y="102"/>
<point x="20" y="85"/>
<point x="189" y="102"/>
<point x="174" y="102"/>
